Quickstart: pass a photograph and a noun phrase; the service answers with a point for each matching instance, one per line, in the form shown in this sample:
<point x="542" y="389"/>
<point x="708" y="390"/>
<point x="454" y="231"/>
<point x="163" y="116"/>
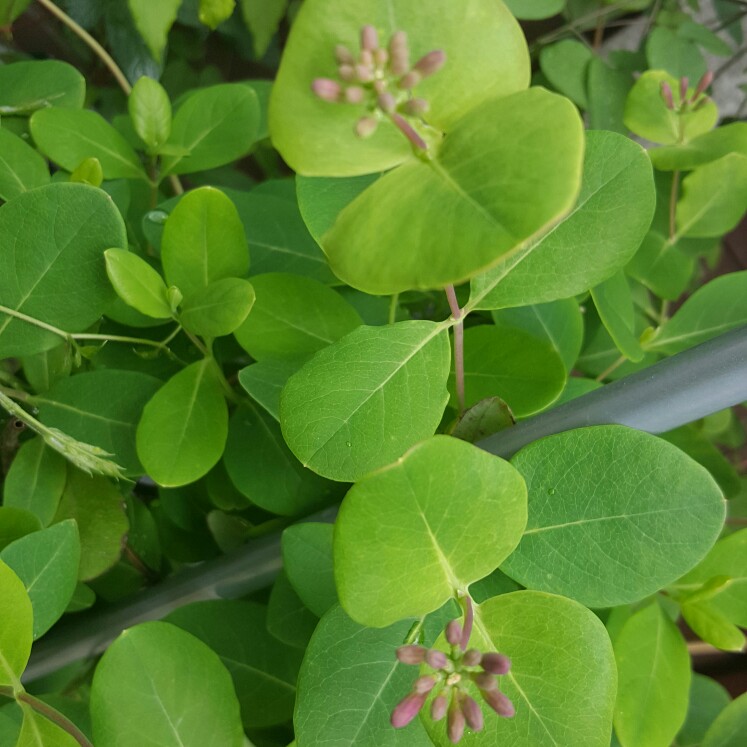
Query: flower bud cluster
<point x="691" y="104"/>
<point x="449" y="683"/>
<point x="382" y="79"/>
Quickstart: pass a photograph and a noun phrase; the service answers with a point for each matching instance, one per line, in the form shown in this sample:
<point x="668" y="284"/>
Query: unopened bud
<point x="435" y="659"/>
<point x="343" y="55"/>
<point x="430" y="63"/>
<point x="485" y="681"/>
<point x="399" y="53"/>
<point x="369" y="38"/>
<point x="455" y="724"/>
<point x="472" y="713"/>
<point x="499" y="703"/>
<point x="496" y="663"/>
<point x="454" y="633"/>
<point x="379" y="85"/>
<point x="347" y="72"/>
<point x="387" y="102"/>
<point x="409" y="132"/>
<point x="666" y="94"/>
<point x="472" y="658"/>
<point x="411" y="654"/>
<point x="407" y="710"/>
<point x="364" y="73"/>
<point x="326" y="89"/>
<point x="354" y="95"/>
<point x="381" y="56"/>
<point x="366" y="126"/>
<point x="704" y="82"/>
<point x="415" y="107"/>
<point x="410" y="80"/>
<point x="366" y="58"/>
<point x="684" y="83"/>
<point x="439" y="707"/>
<point x="424" y="684"/>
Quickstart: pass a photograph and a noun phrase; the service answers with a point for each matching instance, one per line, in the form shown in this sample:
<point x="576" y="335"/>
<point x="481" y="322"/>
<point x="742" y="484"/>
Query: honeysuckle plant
<point x="226" y="305"/>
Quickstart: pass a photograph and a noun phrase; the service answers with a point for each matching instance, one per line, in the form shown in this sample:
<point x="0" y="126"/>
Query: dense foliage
<point x="226" y="304"/>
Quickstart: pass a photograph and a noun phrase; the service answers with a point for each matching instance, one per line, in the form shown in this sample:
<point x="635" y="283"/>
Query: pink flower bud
<point x="704" y="82"/>
<point x="366" y="58"/>
<point x="436" y="659"/>
<point x="496" y="663"/>
<point x="364" y="73"/>
<point x="407" y="710"/>
<point x="499" y="703"/>
<point x="369" y="38"/>
<point x="684" y="83"/>
<point x="410" y="80"/>
<point x="485" y="681"/>
<point x="381" y="56"/>
<point x="455" y="724"/>
<point x="409" y="132"/>
<point x="472" y="658"/>
<point x="411" y="654"/>
<point x="424" y="684"/>
<point x="399" y="53"/>
<point x="379" y="85"/>
<point x="430" y="63"/>
<point x="666" y="94"/>
<point x="472" y="713"/>
<point x="326" y="89"/>
<point x="343" y="55"/>
<point x="454" y="633"/>
<point x="387" y="102"/>
<point x="366" y="126"/>
<point x="346" y="73"/>
<point x="438" y="707"/>
<point x="354" y="95"/>
<point x="416" y="107"/>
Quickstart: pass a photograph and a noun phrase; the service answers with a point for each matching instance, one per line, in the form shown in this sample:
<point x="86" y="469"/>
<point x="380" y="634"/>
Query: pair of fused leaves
<point x="474" y="191"/>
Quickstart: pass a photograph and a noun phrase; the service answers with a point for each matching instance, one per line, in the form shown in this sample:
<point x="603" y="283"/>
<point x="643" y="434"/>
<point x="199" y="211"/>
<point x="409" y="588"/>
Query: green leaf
<point x="288" y="618"/>
<point x="565" y="64"/>
<point x="97" y="507"/>
<point x="203" y="241"/>
<point x="713" y="309"/>
<point x="630" y="506"/>
<point x="307" y="560"/>
<point x="264" y="671"/>
<point x="21" y="167"/>
<point x="219" y="309"/>
<point x="29" y="86"/>
<point x="11" y="9"/>
<point x="349" y="683"/>
<point x="559" y="323"/>
<point x="532" y="10"/>
<point x="478" y="191"/>
<point x="262" y="18"/>
<point x="150" y="112"/>
<point x="101" y="408"/>
<point x="729" y="727"/>
<point x="714" y="198"/>
<point x="704" y="37"/>
<point x="486" y="55"/>
<point x="15" y="627"/>
<point x="184" y="426"/>
<point x="614" y="305"/>
<point x="653" y="667"/>
<point x="47" y="563"/>
<point x="264" y="470"/>
<point x="679" y="56"/>
<point x="647" y="115"/>
<point x="213" y="12"/>
<point x="157" y="686"/>
<point x="69" y="136"/>
<point x="216" y="125"/>
<point x="608" y="90"/>
<point x="413" y="534"/>
<point x="711" y="146"/>
<point x="38" y="731"/>
<point x="484" y="419"/>
<point x="562" y="685"/>
<point x="524" y="371"/>
<point x="662" y="267"/>
<point x="153" y="21"/>
<point x="707" y="699"/>
<point x="264" y="381"/>
<point x="137" y="283"/>
<point x="342" y="414"/>
<point x="52" y="242"/>
<point x="35" y="480"/>
<point x="15" y="523"/>
<point x="294" y="316"/>
<point x="88" y="171"/>
<point x="597" y="238"/>
<point x="712" y="627"/>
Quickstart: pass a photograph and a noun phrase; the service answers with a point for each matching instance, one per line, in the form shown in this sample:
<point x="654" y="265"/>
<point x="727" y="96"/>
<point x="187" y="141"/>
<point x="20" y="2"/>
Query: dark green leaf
<point x="307" y="559"/>
<point x="28" y="86"/>
<point x="21" y="167"/>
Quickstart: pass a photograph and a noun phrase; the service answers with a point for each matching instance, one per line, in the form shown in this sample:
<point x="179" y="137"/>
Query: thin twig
<point x="457" y="315"/>
<point x="607" y="371"/>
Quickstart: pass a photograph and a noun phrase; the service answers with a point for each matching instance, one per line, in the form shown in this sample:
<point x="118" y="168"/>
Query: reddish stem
<point x="469" y="618"/>
<point x="457" y="313"/>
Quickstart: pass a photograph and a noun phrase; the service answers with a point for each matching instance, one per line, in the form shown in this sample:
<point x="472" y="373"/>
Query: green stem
<point x="602" y="376"/>
<point x="53" y="715"/>
<point x="457" y="315"/>
<point x="673" y="196"/>
<point x="14" y="393"/>
<point x="81" y="33"/>
<point x="393" y="303"/>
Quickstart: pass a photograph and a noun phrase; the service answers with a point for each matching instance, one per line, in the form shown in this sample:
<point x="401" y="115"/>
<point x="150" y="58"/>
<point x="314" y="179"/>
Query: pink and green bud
<point x="369" y="38"/>
<point x="430" y="63"/>
<point x="472" y="713"/>
<point x="326" y="89"/>
<point x="499" y="703"/>
<point x="409" y="132"/>
<point x="436" y="659"/>
<point x="439" y="706"/>
<point x="456" y="722"/>
<point x="410" y="80"/>
<point x="387" y="102"/>
<point x="364" y="73"/>
<point x="355" y="95"/>
<point x="343" y="55"/>
<point x="407" y="710"/>
<point x="381" y="56"/>
<point x="416" y="107"/>
<point x="472" y="658"/>
<point x="485" y="681"/>
<point x="704" y="82"/>
<point x="366" y="58"/>
<point x="366" y="126"/>
<point x="667" y="95"/>
<point x="399" y="53"/>
<point x="424" y="684"/>
<point x="411" y="654"/>
<point x="684" y="84"/>
<point x="454" y="633"/>
<point x="496" y="663"/>
<point x="347" y="73"/>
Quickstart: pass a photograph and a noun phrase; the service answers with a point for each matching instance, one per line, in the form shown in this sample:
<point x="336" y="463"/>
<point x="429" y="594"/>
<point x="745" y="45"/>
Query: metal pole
<point x="678" y="390"/>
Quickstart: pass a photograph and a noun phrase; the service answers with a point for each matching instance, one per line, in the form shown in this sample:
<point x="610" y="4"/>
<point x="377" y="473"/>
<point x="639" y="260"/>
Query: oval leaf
<point x="16" y="625"/>
<point x="21" y="167"/>
<point x="218" y="309"/>
<point x="137" y="283"/>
